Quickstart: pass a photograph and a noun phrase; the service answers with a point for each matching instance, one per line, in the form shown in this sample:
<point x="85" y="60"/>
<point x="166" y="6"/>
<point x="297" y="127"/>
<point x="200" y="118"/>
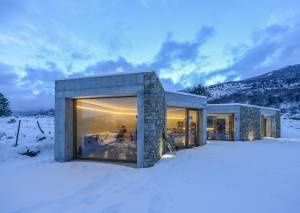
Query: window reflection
<point x="182" y="132"/>
<point x="176" y="125"/>
<point x="220" y="127"/>
<point x="193" y="125"/>
<point x="106" y="128"/>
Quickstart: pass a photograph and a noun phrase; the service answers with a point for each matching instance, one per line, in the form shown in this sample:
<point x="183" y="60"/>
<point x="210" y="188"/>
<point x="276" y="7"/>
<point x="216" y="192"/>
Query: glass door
<point x="265" y="127"/>
<point x="192" y="137"/>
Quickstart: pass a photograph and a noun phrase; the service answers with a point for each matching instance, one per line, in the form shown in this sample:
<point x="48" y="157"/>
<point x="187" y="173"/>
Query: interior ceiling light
<point x="107" y="111"/>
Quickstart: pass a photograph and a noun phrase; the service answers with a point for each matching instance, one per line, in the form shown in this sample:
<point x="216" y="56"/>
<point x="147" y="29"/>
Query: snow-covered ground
<point x="260" y="176"/>
<point x="290" y="128"/>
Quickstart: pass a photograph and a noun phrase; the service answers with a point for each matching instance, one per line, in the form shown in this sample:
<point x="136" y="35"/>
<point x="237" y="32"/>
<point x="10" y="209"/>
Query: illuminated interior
<point x="182" y="131"/>
<point x="266" y="126"/>
<point x="176" y="128"/>
<point x="106" y="128"/>
<point x="192" y="127"/>
<point x="220" y="127"/>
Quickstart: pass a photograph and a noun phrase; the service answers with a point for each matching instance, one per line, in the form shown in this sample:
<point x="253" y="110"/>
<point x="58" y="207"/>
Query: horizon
<point x="41" y="42"/>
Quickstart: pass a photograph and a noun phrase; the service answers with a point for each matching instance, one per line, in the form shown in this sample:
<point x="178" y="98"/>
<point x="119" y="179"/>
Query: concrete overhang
<point x="186" y="100"/>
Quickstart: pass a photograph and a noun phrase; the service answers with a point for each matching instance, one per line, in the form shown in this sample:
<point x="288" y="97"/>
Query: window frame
<point x="186" y="124"/>
<point x="76" y="156"/>
<point x="233" y="124"/>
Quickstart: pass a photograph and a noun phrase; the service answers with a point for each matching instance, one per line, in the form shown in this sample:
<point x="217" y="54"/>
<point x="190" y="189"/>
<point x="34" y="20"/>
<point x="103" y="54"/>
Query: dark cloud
<point x="114" y="66"/>
<point x="48" y="74"/>
<point x="20" y="90"/>
<point x="170" y="85"/>
<point x="40" y="82"/>
<point x="172" y="50"/>
<point x="272" y="47"/>
<point x="7" y="75"/>
<point x="80" y="56"/>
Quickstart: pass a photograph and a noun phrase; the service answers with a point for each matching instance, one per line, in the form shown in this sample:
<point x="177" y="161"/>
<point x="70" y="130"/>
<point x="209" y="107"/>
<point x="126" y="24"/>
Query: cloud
<point x="7" y="75"/>
<point x="179" y="64"/>
<point x="111" y="66"/>
<point x="170" y="85"/>
<point x="21" y="94"/>
<point x="183" y="51"/>
<point x="50" y="73"/>
<point x="79" y="55"/>
<point x="271" y="47"/>
<point x="40" y="81"/>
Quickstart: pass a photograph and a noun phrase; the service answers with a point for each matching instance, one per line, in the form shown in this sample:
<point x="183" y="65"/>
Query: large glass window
<point x="220" y="127"/>
<point x="192" y="125"/>
<point x="182" y="126"/>
<point x="176" y="125"/>
<point x="106" y="128"/>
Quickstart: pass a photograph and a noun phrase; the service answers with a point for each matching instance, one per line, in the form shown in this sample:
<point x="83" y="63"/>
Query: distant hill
<point x="49" y="112"/>
<point x="278" y="88"/>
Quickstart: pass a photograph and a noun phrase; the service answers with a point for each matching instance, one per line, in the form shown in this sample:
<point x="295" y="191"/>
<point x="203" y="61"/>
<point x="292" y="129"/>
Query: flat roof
<point x="106" y="75"/>
<point x="239" y="104"/>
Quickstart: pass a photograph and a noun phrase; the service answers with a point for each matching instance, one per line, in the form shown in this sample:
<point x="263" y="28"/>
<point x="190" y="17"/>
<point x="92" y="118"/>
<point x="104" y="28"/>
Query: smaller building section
<point x="270" y="123"/>
<point x="186" y="119"/>
<point x="241" y="122"/>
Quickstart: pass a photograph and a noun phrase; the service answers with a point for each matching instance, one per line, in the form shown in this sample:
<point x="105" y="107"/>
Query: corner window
<point x="106" y="128"/>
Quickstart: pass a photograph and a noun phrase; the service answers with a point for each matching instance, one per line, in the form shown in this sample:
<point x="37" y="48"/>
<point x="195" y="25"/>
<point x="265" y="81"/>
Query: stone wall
<point x="250" y="123"/>
<point x="261" y="126"/>
<point x="154" y="119"/>
<point x="277" y="126"/>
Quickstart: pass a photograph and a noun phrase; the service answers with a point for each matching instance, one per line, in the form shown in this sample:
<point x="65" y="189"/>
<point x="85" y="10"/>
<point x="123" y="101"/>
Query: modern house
<point x="241" y="122"/>
<point x="124" y="117"/>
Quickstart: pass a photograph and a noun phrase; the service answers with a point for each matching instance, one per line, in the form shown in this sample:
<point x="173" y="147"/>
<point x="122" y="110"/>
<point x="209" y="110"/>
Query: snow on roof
<point x="188" y="94"/>
<point x="247" y="105"/>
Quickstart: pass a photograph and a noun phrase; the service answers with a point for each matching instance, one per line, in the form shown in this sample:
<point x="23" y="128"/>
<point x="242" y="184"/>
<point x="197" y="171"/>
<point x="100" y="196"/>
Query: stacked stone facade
<point x="250" y="123"/>
<point x="277" y="125"/>
<point x="154" y="119"/>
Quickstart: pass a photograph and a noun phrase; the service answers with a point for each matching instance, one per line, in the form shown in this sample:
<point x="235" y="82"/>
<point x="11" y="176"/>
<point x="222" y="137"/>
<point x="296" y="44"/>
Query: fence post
<point x="16" y="144"/>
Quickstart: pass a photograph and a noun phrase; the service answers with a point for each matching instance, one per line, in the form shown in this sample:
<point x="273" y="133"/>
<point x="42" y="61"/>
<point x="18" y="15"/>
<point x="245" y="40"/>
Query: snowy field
<point x="260" y="176"/>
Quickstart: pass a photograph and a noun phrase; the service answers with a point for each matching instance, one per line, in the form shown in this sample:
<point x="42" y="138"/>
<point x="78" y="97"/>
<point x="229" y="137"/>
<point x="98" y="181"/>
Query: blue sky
<point x="186" y="42"/>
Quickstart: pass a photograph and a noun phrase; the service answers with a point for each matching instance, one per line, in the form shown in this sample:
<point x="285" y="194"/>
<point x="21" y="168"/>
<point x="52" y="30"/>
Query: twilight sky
<point x="186" y="41"/>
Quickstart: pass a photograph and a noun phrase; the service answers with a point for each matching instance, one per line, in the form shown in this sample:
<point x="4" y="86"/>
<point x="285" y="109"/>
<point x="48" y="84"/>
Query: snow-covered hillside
<point x="278" y="88"/>
<point x="260" y="176"/>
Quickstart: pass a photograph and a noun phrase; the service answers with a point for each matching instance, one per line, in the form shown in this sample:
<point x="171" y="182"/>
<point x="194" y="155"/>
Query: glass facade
<point x="220" y="126"/>
<point x="192" y="127"/>
<point x="106" y="128"/>
<point x="266" y="126"/>
<point x="182" y="132"/>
